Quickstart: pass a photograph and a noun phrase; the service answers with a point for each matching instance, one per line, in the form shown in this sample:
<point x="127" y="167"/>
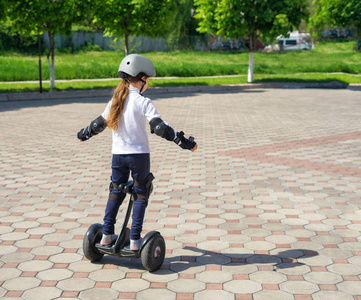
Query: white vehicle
<point x="296" y="41"/>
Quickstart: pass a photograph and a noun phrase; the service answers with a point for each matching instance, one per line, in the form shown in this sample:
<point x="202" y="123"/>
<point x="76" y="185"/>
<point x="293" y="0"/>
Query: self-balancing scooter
<point x="151" y="252"/>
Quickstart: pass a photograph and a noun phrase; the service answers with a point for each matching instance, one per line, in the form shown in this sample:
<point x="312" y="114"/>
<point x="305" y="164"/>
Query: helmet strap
<point x="144" y="83"/>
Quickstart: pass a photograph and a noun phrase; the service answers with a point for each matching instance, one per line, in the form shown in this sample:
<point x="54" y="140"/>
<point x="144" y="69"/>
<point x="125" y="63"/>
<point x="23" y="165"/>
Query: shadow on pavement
<point x="283" y="260"/>
<point x="21" y="104"/>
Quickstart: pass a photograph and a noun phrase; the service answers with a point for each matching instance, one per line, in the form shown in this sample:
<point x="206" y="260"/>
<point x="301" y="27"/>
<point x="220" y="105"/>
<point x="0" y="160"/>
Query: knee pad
<point x="116" y="195"/>
<point x="145" y="184"/>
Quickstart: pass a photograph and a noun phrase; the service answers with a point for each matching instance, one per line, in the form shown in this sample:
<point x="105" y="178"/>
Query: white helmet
<point x="134" y="64"/>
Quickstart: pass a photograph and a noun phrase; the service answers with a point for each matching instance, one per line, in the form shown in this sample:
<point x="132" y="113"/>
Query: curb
<point x="174" y="90"/>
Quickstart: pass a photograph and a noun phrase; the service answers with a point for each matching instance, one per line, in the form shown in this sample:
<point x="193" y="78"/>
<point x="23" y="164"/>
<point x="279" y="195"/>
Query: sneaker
<point x="135" y="244"/>
<point x="108" y="239"/>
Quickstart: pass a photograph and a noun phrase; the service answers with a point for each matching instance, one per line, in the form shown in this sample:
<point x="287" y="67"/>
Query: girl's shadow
<point x="282" y="260"/>
<point x="202" y="258"/>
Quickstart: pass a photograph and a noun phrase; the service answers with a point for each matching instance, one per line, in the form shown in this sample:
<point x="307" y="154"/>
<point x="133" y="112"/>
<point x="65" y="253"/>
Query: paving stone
<point x="214" y="276"/>
<point x="185" y="267"/>
<point x="242" y="286"/>
<point x="9" y="273"/>
<point x="65" y="258"/>
<point x="75" y="244"/>
<point x="293" y="269"/>
<point x="316" y="261"/>
<point x="259" y="245"/>
<point x="55" y="274"/>
<point x="186" y="286"/>
<point x="335" y="253"/>
<point x="268" y="277"/>
<point x="334" y="295"/>
<point x="260" y="259"/>
<point x="17" y="257"/>
<point x="21" y="283"/>
<point x="272" y="295"/>
<point x="42" y="293"/>
<point x="14" y="236"/>
<point x="129" y="285"/>
<point x="256" y="232"/>
<point x="213" y="259"/>
<point x="323" y="278"/>
<point x="279" y="201"/>
<point x="345" y="269"/>
<point x="84" y="266"/>
<point x="35" y="266"/>
<point x="213" y="295"/>
<point x="160" y="276"/>
<point x="47" y="250"/>
<point x="7" y="249"/>
<point x="350" y="287"/>
<point x="99" y="293"/>
<point x="156" y="294"/>
<point x="75" y="284"/>
<point x="213" y="245"/>
<point x="299" y="287"/>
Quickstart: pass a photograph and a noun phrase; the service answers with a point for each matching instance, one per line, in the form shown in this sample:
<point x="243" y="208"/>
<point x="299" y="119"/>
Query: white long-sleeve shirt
<point x="131" y="137"/>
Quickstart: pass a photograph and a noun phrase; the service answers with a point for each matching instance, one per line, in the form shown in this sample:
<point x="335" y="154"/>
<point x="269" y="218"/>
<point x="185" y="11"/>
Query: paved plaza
<point x="268" y="207"/>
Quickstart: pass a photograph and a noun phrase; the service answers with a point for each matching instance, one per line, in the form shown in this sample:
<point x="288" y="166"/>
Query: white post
<point x="250" y="68"/>
<point x="52" y="74"/>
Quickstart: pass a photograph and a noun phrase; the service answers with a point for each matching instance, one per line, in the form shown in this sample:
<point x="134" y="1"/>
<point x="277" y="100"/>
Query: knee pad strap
<point x="116" y="198"/>
<point x="140" y="197"/>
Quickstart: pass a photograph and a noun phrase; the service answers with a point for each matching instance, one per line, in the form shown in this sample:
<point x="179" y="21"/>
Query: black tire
<point x="93" y="236"/>
<point x="153" y="253"/>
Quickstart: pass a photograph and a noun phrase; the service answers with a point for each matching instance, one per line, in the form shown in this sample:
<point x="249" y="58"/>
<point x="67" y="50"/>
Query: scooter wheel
<point x="93" y="236"/>
<point x="153" y="253"/>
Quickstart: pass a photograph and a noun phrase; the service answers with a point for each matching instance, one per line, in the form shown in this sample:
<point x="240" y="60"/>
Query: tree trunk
<point x="51" y="63"/>
<point x="250" y="67"/>
<point x="126" y="44"/>
<point x="252" y="46"/>
<point x="40" y="77"/>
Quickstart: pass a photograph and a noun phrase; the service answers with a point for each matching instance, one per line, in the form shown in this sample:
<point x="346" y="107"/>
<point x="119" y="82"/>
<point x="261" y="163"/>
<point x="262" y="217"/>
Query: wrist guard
<point x="184" y="143"/>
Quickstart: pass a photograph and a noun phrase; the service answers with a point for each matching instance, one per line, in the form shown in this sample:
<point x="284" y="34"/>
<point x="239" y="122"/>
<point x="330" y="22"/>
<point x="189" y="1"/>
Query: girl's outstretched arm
<point x="162" y="129"/>
<point x="95" y="127"/>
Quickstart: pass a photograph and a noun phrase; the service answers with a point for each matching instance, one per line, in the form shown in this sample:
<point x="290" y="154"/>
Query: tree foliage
<point x="51" y="17"/>
<point x="336" y="13"/>
<point x="2" y="9"/>
<point x="122" y="18"/>
<point x="182" y="27"/>
<point x="251" y="20"/>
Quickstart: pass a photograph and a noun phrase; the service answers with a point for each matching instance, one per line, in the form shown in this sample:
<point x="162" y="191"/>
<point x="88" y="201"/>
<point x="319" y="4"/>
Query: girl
<point x="127" y="114"/>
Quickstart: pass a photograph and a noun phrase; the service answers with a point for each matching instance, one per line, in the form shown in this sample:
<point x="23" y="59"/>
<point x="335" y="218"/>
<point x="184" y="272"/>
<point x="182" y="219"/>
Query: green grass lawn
<point x="325" y="58"/>
<point x="188" y="81"/>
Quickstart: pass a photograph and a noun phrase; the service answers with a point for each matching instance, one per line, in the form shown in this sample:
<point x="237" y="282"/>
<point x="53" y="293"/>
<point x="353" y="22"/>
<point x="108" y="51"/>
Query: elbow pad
<point x="97" y="126"/>
<point x="161" y="129"/>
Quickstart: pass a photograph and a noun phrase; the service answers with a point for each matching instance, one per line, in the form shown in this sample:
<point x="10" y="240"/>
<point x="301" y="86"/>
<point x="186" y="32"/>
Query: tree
<point x="46" y="16"/>
<point x="2" y="9"/>
<point x="251" y="20"/>
<point x="182" y="28"/>
<point x="336" y="13"/>
<point x="122" y="18"/>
